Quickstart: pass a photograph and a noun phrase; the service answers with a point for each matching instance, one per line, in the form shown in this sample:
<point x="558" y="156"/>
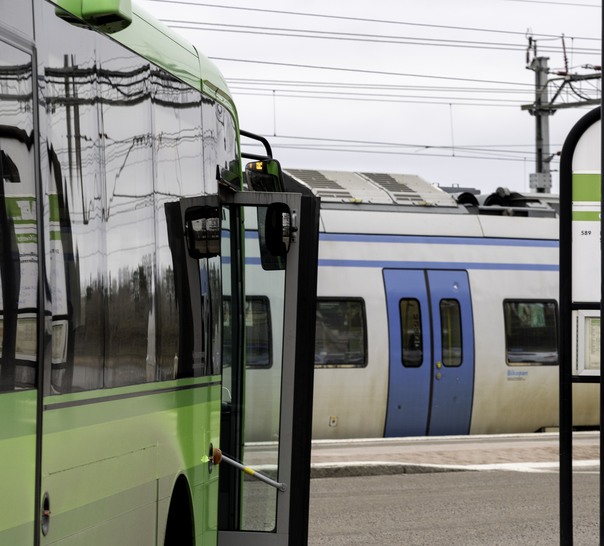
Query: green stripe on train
<point x="586" y="216"/>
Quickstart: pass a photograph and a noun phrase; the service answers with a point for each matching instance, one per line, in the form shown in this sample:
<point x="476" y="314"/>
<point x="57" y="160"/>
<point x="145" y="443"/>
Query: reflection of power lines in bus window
<point x="10" y="172"/>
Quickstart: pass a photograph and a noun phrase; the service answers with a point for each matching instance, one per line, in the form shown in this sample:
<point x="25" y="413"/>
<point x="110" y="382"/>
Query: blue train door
<point x="431" y="346"/>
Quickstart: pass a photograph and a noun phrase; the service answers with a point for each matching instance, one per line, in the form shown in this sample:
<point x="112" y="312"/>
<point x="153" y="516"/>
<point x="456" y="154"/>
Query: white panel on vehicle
<point x="407" y="189"/>
<point x="373" y="188"/>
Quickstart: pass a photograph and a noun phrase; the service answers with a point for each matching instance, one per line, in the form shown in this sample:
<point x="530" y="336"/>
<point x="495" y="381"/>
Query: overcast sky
<point x="432" y="88"/>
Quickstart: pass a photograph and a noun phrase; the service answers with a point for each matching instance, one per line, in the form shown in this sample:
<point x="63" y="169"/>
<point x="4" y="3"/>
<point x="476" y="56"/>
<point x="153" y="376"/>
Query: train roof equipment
<point x="393" y="191"/>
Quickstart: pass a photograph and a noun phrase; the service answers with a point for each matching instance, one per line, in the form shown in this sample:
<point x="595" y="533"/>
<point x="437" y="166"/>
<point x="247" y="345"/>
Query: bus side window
<point x="18" y="225"/>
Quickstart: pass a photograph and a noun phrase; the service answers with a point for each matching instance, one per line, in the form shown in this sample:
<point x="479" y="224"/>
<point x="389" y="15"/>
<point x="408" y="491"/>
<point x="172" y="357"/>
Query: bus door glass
<point x="267" y="366"/>
<point x="19" y="281"/>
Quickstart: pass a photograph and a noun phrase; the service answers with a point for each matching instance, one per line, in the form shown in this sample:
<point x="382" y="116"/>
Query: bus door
<point x="275" y="511"/>
<point x="19" y="296"/>
<point x="431" y="346"/>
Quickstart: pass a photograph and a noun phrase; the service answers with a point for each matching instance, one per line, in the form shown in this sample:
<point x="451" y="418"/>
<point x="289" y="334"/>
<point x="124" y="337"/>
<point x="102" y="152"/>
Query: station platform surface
<point x="521" y="452"/>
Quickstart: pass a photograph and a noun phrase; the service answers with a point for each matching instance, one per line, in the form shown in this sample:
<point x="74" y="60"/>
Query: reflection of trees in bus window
<point x="125" y="140"/>
<point x="177" y="142"/>
<point x="340" y="338"/>
<point x="18" y="224"/>
<point x="130" y="217"/>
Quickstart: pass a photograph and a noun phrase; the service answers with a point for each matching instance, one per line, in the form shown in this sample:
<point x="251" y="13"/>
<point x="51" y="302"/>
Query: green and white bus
<point x="128" y="242"/>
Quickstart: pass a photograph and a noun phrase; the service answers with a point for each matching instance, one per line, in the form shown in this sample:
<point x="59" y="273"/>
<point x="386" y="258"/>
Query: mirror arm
<point x="267" y="146"/>
<point x="256" y="157"/>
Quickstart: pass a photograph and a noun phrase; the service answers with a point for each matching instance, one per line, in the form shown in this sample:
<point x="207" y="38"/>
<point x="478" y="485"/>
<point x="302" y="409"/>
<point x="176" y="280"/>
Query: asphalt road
<point x="486" y="508"/>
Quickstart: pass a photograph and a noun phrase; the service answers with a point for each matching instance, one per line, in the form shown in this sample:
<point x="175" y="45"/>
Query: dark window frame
<point x="407" y="363"/>
<point x="363" y="314"/>
<point x="267" y="301"/>
<point x="459" y="360"/>
<point x="547" y="360"/>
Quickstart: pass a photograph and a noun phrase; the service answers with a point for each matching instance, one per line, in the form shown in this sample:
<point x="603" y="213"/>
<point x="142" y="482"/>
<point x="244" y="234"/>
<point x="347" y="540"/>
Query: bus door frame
<point x="295" y="429"/>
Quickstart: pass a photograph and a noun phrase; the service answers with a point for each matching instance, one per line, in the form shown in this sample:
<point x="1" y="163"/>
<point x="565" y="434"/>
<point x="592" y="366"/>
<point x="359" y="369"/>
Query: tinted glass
<point x="341" y="339"/>
<point x="258" y="339"/>
<point x="411" y="333"/>
<point x="18" y="224"/>
<point x="125" y="144"/>
<point x="450" y="324"/>
<point x="531" y="332"/>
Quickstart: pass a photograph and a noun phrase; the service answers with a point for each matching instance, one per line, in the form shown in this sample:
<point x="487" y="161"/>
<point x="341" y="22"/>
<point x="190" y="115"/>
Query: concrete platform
<point x="519" y="452"/>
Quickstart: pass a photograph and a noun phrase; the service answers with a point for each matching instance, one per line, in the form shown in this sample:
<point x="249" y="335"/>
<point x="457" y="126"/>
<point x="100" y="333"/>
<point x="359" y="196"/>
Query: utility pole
<point x="541" y="180"/>
<point x="543" y="107"/>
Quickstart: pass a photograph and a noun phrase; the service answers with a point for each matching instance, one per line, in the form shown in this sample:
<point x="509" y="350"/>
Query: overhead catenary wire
<point x="366" y="38"/>
<point x="462" y="101"/>
<point x="399" y="153"/>
<point x="474" y="100"/>
<point x="492" y="152"/>
<point x="368" y="71"/>
<point x="362" y="19"/>
<point x="302" y="80"/>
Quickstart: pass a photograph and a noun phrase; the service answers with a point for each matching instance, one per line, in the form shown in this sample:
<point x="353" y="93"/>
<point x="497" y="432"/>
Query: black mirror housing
<point x="264" y="175"/>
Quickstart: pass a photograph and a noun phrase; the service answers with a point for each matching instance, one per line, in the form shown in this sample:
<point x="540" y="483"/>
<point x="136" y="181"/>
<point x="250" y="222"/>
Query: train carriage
<point x="437" y="312"/>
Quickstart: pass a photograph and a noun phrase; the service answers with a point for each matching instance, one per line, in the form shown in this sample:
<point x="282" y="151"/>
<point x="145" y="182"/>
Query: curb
<point x="365" y="468"/>
<point x="368" y="468"/>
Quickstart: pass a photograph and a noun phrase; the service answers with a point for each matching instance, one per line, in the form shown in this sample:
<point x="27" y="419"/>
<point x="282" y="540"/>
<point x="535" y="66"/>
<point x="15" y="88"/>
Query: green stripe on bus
<point x="21" y="534"/>
<point x="586" y="187"/>
<point x="93" y="409"/>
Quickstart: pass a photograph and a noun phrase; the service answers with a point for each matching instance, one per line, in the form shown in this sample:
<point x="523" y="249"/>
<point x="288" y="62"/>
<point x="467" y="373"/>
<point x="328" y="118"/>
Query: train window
<point x="341" y="334"/>
<point x="258" y="339"/>
<point x="450" y="332"/>
<point x="531" y="332"/>
<point x="258" y="332"/>
<point x="412" y="349"/>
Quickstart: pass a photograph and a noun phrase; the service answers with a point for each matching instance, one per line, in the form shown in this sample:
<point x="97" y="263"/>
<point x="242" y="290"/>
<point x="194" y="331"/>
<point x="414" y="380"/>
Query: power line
<point x="493" y="152"/>
<point x="271" y="83"/>
<point x="421" y="152"/>
<point x="475" y="96"/>
<point x="366" y="71"/>
<point x="363" y="38"/>
<point x="491" y="147"/>
<point x="458" y="101"/>
<point x="358" y="19"/>
<point x="549" y="2"/>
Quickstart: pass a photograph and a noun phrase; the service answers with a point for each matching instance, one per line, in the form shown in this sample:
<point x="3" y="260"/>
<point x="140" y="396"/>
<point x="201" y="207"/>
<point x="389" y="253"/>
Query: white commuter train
<point x="437" y="313"/>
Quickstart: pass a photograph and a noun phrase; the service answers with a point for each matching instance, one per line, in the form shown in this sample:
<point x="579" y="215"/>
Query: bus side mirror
<point x="202" y="231"/>
<point x="107" y="15"/>
<point x="276" y="230"/>
<point x="264" y="175"/>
